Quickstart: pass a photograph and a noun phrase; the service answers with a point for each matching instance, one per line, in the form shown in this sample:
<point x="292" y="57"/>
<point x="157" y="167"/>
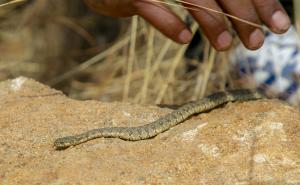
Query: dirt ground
<point x="254" y="142"/>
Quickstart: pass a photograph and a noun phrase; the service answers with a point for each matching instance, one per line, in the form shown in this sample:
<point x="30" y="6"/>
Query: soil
<point x="255" y="142"/>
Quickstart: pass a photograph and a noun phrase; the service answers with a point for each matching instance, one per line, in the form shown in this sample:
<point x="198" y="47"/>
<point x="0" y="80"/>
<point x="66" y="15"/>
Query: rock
<point x="254" y="142"/>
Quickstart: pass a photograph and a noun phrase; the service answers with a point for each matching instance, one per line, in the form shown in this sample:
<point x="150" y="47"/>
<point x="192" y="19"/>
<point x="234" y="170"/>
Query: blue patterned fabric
<point x="275" y="67"/>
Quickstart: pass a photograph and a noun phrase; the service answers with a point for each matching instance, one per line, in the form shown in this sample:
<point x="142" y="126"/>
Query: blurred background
<point x="88" y="56"/>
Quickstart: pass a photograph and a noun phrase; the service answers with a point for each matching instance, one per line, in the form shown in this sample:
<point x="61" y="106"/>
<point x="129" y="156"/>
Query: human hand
<point x="268" y="12"/>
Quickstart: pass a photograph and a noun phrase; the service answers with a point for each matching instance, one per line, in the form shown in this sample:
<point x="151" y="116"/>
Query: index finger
<point x="164" y="20"/>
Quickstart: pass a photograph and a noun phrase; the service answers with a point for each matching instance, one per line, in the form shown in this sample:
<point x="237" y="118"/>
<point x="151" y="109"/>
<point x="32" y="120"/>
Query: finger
<point x="164" y="20"/>
<point x="273" y="15"/>
<point x="213" y="25"/>
<point x="251" y="36"/>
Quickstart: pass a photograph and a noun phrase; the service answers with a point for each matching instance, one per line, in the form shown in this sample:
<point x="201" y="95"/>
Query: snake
<point x="162" y="124"/>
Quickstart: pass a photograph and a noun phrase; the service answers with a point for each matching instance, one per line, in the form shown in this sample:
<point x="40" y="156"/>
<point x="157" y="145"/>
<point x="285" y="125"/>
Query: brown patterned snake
<point x="164" y="123"/>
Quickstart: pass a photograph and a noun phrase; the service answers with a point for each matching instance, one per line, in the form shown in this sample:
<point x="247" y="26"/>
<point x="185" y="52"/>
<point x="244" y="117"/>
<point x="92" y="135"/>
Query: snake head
<point x="63" y="143"/>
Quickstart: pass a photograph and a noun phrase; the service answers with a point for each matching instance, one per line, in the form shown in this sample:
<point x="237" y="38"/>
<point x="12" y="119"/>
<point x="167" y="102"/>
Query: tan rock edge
<point x="254" y="142"/>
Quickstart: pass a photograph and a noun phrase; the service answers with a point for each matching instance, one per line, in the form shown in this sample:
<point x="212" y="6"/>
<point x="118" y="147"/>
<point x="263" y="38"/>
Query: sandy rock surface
<point x="240" y="143"/>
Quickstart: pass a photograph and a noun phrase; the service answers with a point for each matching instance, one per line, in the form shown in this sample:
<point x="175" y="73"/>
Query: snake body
<point x="164" y="123"/>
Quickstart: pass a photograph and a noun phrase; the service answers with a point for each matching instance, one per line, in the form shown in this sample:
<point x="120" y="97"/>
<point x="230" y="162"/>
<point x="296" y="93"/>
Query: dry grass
<point x="142" y="66"/>
<point x="164" y="79"/>
<point x="195" y="7"/>
<point x="10" y="3"/>
<point x="297" y="14"/>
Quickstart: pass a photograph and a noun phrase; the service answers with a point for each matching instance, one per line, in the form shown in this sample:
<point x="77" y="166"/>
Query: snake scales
<point x="162" y="124"/>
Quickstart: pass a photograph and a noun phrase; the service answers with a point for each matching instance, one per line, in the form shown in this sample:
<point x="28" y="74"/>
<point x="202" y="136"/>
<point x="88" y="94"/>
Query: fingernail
<point x="281" y="21"/>
<point x="185" y="36"/>
<point x="256" y="39"/>
<point x="224" y="40"/>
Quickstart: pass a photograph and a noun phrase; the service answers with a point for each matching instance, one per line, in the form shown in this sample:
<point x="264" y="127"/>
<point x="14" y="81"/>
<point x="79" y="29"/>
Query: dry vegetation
<point x="93" y="57"/>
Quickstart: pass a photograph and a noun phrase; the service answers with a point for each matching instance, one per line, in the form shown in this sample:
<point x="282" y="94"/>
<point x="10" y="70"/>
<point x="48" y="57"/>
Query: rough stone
<point x="240" y="143"/>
